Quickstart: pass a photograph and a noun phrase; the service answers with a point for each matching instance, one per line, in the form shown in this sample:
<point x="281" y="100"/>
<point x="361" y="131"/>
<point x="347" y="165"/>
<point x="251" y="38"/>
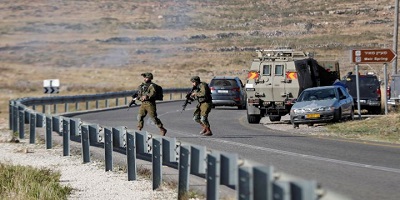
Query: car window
<point x="266" y="70"/>
<point x="279" y="70"/>
<point x="223" y="83"/>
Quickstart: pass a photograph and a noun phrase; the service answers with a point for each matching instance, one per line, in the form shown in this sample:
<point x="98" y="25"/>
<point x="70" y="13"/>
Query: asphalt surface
<point x="359" y="170"/>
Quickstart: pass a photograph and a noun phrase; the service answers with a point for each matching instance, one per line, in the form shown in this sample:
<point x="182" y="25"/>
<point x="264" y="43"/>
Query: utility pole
<point x="395" y="35"/>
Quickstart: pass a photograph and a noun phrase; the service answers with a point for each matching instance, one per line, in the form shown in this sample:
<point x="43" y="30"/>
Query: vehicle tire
<point x="274" y="118"/>
<point x="253" y="119"/>
<point x="375" y="110"/>
<point x="351" y="117"/>
<point x="294" y="124"/>
<point x="337" y="116"/>
<point x="213" y="106"/>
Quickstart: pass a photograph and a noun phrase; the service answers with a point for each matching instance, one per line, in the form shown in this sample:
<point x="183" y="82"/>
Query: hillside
<point x="99" y="46"/>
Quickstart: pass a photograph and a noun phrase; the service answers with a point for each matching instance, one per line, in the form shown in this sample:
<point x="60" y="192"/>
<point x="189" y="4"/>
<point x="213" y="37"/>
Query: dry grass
<point x="103" y="46"/>
<point x="381" y="128"/>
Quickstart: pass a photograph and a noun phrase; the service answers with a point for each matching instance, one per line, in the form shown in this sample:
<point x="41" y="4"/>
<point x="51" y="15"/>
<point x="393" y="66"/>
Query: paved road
<point x="355" y="169"/>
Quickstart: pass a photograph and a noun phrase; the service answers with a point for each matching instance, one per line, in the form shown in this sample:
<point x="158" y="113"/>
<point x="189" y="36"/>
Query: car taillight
<point x="212" y="88"/>
<point x="378" y="91"/>
<point x="236" y="89"/>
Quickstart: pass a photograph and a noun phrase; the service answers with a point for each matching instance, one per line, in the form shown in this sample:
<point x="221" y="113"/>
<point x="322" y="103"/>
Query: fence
<point x="248" y="179"/>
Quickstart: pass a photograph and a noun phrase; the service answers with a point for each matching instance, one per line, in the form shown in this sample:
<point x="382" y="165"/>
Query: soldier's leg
<point x="153" y="114"/>
<point x="196" y="118"/>
<point x="196" y="114"/>
<point x="205" y="110"/>
<point x="141" y="114"/>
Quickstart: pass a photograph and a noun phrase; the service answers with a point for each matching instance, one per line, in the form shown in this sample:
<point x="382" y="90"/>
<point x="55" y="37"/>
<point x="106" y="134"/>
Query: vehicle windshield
<point x="321" y="94"/>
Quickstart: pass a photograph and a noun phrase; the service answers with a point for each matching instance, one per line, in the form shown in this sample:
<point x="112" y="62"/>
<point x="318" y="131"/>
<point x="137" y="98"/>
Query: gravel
<point x="90" y="181"/>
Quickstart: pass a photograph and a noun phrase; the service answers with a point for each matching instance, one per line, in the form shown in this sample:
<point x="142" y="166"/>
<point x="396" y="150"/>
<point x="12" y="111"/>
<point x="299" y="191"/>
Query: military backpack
<point x="159" y="92"/>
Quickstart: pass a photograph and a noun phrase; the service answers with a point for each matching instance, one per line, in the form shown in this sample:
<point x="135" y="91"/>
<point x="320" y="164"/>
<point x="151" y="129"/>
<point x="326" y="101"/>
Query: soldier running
<point x="147" y="93"/>
<point x="203" y="95"/>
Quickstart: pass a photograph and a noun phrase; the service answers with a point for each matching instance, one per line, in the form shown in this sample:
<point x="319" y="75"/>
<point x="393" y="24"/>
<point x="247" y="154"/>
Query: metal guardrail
<point x="249" y="179"/>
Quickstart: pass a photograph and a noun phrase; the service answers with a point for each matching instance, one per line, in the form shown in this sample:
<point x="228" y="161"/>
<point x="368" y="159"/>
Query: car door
<point x="344" y="101"/>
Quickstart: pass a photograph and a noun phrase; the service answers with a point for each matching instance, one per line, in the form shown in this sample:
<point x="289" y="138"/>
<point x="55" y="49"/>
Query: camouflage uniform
<point x="203" y="95"/>
<point x="147" y="93"/>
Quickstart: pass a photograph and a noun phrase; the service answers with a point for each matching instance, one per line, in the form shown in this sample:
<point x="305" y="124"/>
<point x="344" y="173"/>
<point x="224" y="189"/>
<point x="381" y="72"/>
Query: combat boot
<point x="163" y="131"/>
<point x="204" y="129"/>
<point x="208" y="132"/>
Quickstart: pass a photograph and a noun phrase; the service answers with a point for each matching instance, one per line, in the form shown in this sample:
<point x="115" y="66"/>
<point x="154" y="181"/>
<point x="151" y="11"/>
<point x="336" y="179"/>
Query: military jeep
<point x="276" y="78"/>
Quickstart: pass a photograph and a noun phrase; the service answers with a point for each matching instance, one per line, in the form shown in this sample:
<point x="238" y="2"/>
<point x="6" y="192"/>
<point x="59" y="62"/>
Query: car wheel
<point x="351" y="117"/>
<point x="213" y="106"/>
<point x="337" y="116"/>
<point x="274" y="118"/>
<point x="240" y="107"/>
<point x="294" y="124"/>
<point x="253" y="119"/>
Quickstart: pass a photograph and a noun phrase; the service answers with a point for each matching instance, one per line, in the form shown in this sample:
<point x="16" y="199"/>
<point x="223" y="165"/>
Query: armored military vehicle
<point x="276" y="77"/>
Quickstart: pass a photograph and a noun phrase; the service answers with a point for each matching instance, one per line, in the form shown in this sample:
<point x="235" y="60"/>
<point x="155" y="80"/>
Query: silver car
<point x="322" y="104"/>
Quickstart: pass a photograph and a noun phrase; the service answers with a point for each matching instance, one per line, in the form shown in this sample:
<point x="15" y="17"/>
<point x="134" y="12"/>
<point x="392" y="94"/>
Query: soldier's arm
<point x="151" y="92"/>
<point x="202" y="91"/>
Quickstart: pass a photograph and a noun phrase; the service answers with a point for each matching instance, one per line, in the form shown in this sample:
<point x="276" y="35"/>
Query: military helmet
<point x="147" y="75"/>
<point x="195" y="79"/>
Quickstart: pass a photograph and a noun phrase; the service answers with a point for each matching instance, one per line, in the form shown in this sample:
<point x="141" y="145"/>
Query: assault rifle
<point x="133" y="102"/>
<point x="188" y="98"/>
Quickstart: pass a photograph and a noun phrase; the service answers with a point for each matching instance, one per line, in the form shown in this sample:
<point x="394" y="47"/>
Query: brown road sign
<point x="372" y="56"/>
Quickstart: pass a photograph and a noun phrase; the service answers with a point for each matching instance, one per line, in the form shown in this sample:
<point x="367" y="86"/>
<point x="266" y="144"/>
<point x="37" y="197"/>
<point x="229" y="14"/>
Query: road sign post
<point x="372" y="56"/>
<point x="51" y="86"/>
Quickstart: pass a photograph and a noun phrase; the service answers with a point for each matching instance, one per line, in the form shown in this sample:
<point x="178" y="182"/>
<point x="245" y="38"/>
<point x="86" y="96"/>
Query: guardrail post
<point x="184" y="171"/>
<point x="66" y="107"/>
<point x="106" y="103"/>
<point x="157" y="162"/>
<point x="119" y="135"/>
<point x="15" y="119"/>
<point x="43" y="108"/>
<point x="76" y="106"/>
<point x="55" y="108"/>
<point x="85" y="144"/>
<point x="97" y="104"/>
<point x="66" y="137"/>
<point x="141" y="142"/>
<point x="75" y="126"/>
<point x="229" y="169"/>
<point x="303" y="189"/>
<point x="116" y="101"/>
<point x="197" y="160"/>
<point x="10" y="114"/>
<point x="21" y="124"/>
<point x="57" y="122"/>
<point x="262" y="181"/>
<point x="131" y="156"/>
<point x="94" y="136"/>
<point x="40" y="120"/>
<point x="281" y="190"/>
<point x="49" y="131"/>
<point x="245" y="184"/>
<point x="168" y="150"/>
<point x="108" y="148"/>
<point x="213" y="175"/>
<point x="32" y="128"/>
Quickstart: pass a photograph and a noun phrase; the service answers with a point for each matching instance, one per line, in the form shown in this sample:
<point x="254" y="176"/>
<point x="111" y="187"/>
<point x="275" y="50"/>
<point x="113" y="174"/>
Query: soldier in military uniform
<point x="146" y="94"/>
<point x="202" y="93"/>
